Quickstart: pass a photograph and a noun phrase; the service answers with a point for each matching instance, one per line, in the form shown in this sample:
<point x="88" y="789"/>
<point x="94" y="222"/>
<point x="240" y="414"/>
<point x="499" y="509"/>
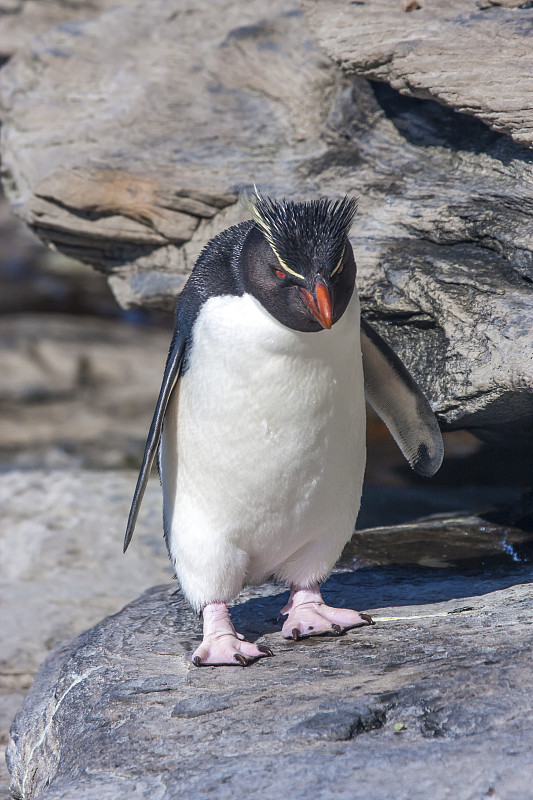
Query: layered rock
<point x="473" y="56"/>
<point x="160" y="119"/>
<point x="162" y="153"/>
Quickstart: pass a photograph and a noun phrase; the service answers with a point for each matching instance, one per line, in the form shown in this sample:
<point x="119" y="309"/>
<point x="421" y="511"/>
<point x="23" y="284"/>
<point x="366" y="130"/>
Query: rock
<point x="137" y="183"/>
<point x="34" y="278"/>
<point x="439" y="541"/>
<point x="465" y="57"/>
<point x="97" y="202"/>
<point x="62" y="564"/>
<point x="432" y="701"/>
<point x="198" y="706"/>
<point x="22" y="20"/>
<point x="77" y="390"/>
<point x="340" y="725"/>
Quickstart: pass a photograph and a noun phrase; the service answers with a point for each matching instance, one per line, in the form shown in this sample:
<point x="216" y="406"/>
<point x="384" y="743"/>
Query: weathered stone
<point x="474" y="60"/>
<point x="63" y="567"/>
<point x="148" y="289"/>
<point x="443" y="239"/>
<point x="441" y="541"/>
<point x="22" y="20"/>
<point x="198" y="706"/>
<point x="340" y="725"/>
<point x="430" y="702"/>
<point x="140" y="177"/>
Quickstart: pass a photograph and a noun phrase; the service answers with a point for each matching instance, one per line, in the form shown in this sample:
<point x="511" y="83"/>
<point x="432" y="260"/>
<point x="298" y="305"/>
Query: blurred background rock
<point x="79" y="375"/>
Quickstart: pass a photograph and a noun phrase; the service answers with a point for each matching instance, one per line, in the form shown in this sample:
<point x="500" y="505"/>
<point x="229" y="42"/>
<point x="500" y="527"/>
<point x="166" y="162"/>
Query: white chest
<point x="269" y="431"/>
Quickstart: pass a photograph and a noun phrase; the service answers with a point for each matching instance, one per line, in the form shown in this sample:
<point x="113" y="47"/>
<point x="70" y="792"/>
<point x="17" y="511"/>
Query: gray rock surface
<point x="22" y="20"/>
<point x="473" y="56"/>
<point x="433" y="701"/>
<point x="156" y="141"/>
<point x="77" y="391"/>
<point x="63" y="568"/>
<point x="146" y="177"/>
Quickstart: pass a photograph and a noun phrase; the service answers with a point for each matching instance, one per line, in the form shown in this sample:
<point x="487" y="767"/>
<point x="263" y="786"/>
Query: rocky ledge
<point x="432" y="701"/>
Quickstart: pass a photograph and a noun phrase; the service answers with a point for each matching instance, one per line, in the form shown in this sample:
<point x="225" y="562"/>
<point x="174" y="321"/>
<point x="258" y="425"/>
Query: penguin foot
<point x="222" y="645"/>
<point x="308" y="615"/>
<point x="228" y="650"/>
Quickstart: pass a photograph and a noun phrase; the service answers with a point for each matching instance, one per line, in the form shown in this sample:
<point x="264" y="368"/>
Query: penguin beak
<point x="319" y="306"/>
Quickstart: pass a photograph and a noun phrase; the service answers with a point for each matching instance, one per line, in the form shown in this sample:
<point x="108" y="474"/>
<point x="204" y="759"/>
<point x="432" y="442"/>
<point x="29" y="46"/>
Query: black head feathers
<point x="302" y="233"/>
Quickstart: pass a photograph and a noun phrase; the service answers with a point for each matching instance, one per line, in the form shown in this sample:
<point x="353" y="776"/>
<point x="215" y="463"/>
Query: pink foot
<point x="308" y="615"/>
<point x="222" y="644"/>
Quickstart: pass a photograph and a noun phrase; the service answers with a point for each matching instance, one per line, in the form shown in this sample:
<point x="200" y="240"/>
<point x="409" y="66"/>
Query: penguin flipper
<point x="170" y="378"/>
<point x="394" y="395"/>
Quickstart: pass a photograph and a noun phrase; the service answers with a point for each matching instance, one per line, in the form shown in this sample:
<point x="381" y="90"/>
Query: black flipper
<point x="170" y="378"/>
<point x="394" y="395"/>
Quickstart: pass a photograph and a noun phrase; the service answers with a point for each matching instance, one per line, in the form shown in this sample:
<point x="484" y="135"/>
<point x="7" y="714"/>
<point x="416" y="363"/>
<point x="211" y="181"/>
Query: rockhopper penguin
<point x="260" y="422"/>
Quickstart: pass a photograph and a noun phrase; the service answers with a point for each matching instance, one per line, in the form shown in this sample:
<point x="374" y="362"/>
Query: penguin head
<point x="297" y="260"/>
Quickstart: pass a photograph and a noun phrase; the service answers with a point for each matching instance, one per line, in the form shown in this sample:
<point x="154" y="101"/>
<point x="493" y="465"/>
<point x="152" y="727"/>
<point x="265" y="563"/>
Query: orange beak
<point x="320" y="305"/>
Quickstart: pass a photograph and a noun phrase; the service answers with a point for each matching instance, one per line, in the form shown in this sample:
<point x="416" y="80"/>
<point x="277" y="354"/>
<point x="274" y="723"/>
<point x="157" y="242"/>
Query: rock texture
<point x="161" y="156"/>
<point x="62" y="565"/>
<point x="22" y="20"/>
<point x="77" y="391"/>
<point x="63" y="568"/>
<point x="433" y="701"/>
<point x="473" y="56"/>
<point x="163" y="117"/>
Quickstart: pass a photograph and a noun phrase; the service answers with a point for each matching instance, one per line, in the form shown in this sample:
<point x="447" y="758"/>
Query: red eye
<point x="280" y="273"/>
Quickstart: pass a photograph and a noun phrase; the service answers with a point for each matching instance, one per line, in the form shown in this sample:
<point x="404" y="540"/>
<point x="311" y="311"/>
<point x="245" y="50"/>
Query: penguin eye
<point x="280" y="274"/>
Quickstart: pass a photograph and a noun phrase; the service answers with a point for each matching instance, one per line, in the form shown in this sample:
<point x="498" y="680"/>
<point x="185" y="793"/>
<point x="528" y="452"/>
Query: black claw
<point x="241" y="659"/>
<point x="295" y="634"/>
<point x="197" y="661"/>
<point x="337" y="629"/>
<point x="367" y="618"/>
<point x="266" y="650"/>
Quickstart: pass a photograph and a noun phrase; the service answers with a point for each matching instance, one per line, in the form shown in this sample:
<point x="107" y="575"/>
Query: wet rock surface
<point x="156" y="144"/>
<point x="431" y="701"/>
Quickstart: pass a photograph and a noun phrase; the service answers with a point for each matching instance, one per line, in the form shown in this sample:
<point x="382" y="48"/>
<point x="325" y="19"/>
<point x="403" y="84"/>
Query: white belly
<point x="263" y="450"/>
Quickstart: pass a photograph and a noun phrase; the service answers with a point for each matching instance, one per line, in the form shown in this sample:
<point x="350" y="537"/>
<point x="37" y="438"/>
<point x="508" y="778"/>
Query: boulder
<point x="161" y="119"/>
<point x="432" y="701"/>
